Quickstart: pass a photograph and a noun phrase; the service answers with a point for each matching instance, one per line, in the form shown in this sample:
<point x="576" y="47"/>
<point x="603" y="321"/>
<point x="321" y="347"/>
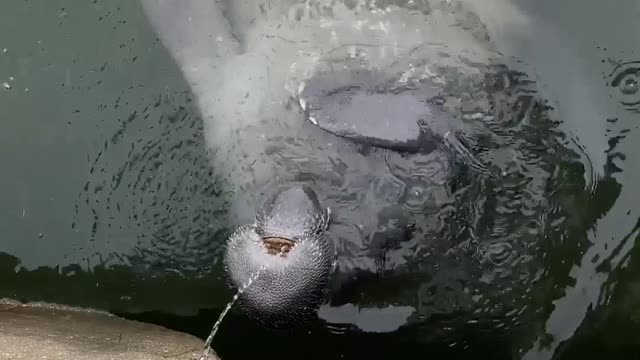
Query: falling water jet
<point x="252" y="278"/>
<point x="288" y="232"/>
<point x="214" y="330"/>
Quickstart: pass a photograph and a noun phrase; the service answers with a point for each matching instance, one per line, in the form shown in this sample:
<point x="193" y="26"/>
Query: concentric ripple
<point x="152" y="195"/>
<point x="625" y="81"/>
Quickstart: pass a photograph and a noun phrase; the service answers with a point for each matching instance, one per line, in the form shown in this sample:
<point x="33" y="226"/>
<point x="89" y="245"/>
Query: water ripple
<point x="153" y="197"/>
<point x="624" y="79"/>
<point x="492" y="232"/>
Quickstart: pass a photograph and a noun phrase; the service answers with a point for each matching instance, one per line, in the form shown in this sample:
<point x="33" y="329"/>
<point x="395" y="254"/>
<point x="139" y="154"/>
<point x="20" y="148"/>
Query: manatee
<point x="331" y="125"/>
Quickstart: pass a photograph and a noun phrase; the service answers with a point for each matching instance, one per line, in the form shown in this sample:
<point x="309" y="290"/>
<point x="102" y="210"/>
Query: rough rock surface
<point x="44" y="331"/>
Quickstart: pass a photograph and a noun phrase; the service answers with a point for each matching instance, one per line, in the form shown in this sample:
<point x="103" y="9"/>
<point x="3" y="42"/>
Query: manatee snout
<point x="286" y="256"/>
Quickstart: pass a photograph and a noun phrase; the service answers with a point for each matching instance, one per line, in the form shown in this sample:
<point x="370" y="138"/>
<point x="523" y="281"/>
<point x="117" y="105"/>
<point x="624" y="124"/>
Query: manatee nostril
<point x="278" y="245"/>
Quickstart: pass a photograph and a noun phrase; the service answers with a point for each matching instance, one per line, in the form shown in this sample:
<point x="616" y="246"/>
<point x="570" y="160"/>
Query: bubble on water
<point x="6" y="85"/>
<point x="415" y="199"/>
<point x="630" y="86"/>
<point x="498" y="253"/>
<point x="625" y="79"/>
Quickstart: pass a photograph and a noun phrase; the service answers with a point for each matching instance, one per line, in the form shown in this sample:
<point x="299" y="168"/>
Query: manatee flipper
<point x="361" y="106"/>
<point x="465" y="154"/>
<point x="375" y="119"/>
<point x="430" y="125"/>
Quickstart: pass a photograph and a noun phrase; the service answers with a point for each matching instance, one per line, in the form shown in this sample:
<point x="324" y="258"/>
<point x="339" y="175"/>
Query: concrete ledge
<point x="45" y="331"/>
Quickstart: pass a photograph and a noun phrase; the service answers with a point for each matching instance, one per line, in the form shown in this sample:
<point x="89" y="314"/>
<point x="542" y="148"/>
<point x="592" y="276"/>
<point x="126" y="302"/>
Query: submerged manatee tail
<point x="192" y="29"/>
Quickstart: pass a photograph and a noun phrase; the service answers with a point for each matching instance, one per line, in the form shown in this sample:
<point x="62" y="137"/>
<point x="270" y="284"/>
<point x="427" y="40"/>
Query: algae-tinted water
<point x="108" y="201"/>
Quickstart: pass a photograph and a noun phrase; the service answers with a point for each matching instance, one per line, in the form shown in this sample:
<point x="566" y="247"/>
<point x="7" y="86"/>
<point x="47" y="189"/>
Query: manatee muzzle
<point x="287" y="254"/>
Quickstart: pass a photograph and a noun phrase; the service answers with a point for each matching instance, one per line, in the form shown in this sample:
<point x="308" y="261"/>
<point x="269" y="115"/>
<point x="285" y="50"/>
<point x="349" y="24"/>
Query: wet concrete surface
<point x="45" y="331"/>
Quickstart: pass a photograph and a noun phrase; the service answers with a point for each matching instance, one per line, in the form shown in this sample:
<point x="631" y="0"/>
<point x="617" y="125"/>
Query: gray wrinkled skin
<point x="287" y="288"/>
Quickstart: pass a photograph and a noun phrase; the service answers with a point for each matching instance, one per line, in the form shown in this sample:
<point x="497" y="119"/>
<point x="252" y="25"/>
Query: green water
<point x="107" y="200"/>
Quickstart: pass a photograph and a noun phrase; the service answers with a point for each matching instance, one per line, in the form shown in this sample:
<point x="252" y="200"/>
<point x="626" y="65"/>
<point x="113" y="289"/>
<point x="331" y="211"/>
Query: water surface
<point x="108" y="199"/>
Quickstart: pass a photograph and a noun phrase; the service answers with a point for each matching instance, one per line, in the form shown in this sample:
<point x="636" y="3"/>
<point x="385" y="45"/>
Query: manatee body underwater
<point x="355" y="141"/>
